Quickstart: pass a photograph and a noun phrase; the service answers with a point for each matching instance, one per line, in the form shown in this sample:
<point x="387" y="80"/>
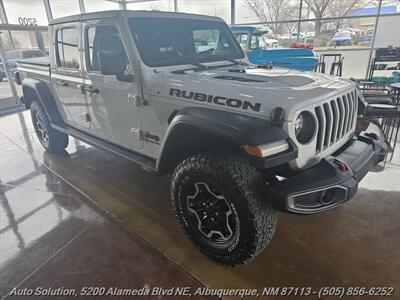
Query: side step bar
<point x="146" y="163"/>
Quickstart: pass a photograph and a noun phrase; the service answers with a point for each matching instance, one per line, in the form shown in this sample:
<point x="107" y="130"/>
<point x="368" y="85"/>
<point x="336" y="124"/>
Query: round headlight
<point x="304" y="127"/>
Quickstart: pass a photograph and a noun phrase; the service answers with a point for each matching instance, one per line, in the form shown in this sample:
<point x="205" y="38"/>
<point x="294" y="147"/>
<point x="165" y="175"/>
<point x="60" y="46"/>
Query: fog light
<point x="327" y="197"/>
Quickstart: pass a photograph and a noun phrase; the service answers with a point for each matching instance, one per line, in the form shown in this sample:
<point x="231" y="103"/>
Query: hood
<point x="251" y="91"/>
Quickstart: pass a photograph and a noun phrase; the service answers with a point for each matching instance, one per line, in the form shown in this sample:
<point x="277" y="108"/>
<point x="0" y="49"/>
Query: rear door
<point x="67" y="77"/>
<point x="113" y="99"/>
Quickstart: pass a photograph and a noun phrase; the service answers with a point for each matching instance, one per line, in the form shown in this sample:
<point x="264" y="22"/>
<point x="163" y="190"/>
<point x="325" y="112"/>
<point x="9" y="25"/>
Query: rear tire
<point x="51" y="139"/>
<point x="219" y="201"/>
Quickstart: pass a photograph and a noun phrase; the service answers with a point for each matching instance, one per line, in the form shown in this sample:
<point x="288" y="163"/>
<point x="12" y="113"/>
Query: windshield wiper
<point x="197" y="67"/>
<point x="201" y="67"/>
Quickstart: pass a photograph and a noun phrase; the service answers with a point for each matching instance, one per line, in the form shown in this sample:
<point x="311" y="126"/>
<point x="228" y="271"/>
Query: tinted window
<point x="104" y="42"/>
<point x="163" y="41"/>
<point x="67" y="48"/>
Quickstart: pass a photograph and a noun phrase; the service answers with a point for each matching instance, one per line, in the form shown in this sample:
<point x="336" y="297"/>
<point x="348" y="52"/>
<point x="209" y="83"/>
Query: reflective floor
<point x="51" y="232"/>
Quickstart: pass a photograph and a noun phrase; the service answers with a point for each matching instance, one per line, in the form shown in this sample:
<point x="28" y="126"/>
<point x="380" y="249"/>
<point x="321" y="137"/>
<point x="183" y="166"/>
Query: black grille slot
<point x="241" y="79"/>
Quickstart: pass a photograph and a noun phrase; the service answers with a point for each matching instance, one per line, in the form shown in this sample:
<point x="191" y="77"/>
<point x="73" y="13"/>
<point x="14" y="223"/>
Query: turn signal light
<point x="373" y="136"/>
<point x="255" y="151"/>
<point x="267" y="149"/>
<point x="341" y="165"/>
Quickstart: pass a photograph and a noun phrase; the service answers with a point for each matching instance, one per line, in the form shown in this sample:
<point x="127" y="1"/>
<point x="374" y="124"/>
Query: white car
<point x="134" y="84"/>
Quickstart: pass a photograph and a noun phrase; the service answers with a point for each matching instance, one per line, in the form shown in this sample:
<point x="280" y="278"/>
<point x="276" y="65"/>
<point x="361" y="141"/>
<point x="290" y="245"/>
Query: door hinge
<point x="138" y="133"/>
<point x="87" y="117"/>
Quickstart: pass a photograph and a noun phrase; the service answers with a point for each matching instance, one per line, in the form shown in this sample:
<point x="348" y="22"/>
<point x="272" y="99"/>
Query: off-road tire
<point x="56" y="141"/>
<point x="243" y="187"/>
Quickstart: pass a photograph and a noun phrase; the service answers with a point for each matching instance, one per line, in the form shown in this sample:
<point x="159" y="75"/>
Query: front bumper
<point x="330" y="183"/>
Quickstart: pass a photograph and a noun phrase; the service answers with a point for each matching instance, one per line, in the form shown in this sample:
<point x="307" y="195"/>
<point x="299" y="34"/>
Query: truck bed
<point x="40" y="61"/>
<point x="38" y="68"/>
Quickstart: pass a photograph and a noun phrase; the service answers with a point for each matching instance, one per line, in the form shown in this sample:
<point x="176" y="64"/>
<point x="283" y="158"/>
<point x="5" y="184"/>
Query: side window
<point x="209" y="41"/>
<point x="242" y="39"/>
<point x="67" y="54"/>
<point x="104" y="47"/>
<point x="254" y="42"/>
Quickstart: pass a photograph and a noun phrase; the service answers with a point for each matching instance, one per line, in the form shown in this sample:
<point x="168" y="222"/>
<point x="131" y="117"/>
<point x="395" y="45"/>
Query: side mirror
<point x="114" y="63"/>
<point x="125" y="77"/>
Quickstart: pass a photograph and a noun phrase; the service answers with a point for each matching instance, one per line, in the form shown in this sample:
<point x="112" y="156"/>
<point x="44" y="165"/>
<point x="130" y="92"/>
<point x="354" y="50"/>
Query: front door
<point x="112" y="90"/>
<point x="67" y="78"/>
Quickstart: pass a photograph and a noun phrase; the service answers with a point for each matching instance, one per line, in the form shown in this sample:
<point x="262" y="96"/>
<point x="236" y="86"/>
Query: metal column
<point x="48" y="10"/>
<point x="122" y="5"/>
<point x="233" y="12"/>
<point x="373" y="38"/>
<point x="82" y="7"/>
<point x="299" y="24"/>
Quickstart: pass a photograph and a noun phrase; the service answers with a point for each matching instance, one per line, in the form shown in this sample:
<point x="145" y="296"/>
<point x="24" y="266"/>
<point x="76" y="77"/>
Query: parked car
<point x="343" y="38"/>
<point x="292" y="36"/>
<point x="252" y="41"/>
<point x="367" y="38"/>
<point x="309" y="37"/>
<point x="2" y="72"/>
<point x="12" y="56"/>
<point x="132" y="83"/>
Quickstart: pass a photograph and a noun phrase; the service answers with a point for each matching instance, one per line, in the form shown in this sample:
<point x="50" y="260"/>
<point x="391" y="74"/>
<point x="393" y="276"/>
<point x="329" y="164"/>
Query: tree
<point x="331" y="9"/>
<point x="272" y="11"/>
<point x="320" y="9"/>
<point x="343" y="8"/>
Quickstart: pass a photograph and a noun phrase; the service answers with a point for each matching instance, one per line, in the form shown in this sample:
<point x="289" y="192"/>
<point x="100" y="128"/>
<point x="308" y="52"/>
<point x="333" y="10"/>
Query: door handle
<point x="62" y="82"/>
<point x="88" y="88"/>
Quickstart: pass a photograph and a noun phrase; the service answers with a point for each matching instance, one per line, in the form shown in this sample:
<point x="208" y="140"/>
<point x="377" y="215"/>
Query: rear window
<point x="67" y="53"/>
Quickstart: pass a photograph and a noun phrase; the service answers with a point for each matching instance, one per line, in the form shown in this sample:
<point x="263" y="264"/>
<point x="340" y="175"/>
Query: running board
<point x="146" y="163"/>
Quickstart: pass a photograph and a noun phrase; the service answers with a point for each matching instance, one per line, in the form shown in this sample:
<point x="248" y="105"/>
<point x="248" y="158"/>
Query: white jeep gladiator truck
<point x="175" y="94"/>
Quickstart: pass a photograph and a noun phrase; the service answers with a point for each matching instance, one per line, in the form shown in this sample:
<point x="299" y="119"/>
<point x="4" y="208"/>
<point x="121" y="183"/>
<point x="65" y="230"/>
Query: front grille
<point x="335" y="119"/>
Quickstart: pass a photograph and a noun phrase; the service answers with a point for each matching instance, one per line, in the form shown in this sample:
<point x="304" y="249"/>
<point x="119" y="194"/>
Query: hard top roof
<point x="119" y="13"/>
<point x="249" y="28"/>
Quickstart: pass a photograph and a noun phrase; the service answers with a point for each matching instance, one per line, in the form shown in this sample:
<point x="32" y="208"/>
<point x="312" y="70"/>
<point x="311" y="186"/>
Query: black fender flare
<point x="41" y="91"/>
<point x="233" y="128"/>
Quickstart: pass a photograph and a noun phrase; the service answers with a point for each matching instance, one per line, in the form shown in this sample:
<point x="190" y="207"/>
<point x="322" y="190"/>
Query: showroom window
<point x="25" y="12"/>
<point x="99" y="5"/>
<point x="67" y="48"/>
<point x="62" y="8"/>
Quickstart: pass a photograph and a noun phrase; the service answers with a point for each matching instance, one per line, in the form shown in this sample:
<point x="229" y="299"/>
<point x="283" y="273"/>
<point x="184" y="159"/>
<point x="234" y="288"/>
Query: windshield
<point x="167" y="42"/>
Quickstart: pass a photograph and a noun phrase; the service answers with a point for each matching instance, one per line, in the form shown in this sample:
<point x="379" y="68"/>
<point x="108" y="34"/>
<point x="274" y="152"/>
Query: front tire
<point x="219" y="201"/>
<point x="51" y="139"/>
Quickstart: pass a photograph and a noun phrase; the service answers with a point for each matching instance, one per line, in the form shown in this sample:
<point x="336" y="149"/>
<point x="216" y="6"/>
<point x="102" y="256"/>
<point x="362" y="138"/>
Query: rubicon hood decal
<point x="219" y="100"/>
